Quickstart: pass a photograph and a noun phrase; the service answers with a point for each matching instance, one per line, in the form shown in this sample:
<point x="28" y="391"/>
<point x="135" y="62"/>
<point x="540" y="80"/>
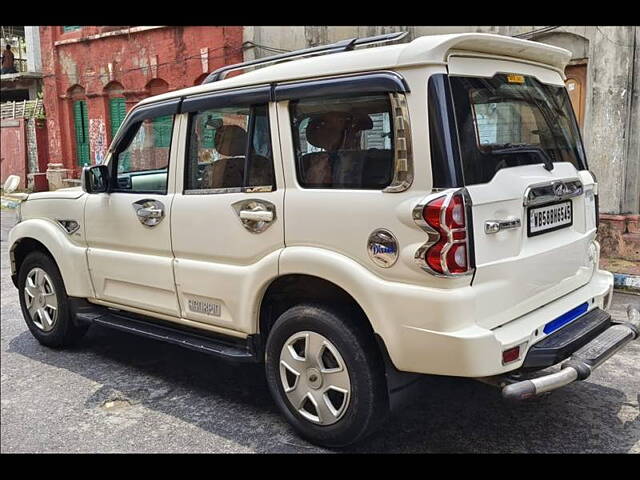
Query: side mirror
<point x="95" y="179"/>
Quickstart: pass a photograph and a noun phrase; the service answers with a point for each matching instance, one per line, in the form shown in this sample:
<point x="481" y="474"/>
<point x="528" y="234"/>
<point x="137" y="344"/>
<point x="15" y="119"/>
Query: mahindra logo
<point x="559" y="189"/>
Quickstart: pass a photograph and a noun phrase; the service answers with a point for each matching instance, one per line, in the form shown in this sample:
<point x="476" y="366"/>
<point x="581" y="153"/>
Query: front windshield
<point x="512" y="120"/>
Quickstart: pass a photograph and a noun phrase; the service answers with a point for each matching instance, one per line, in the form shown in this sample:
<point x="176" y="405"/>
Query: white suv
<point x="350" y="219"/>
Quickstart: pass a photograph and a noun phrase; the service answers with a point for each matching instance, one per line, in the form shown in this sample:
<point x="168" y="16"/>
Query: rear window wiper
<point x="525" y="148"/>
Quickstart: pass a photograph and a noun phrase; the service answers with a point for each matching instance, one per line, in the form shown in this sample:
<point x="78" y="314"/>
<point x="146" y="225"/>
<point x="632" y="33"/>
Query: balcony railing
<point x="20" y="64"/>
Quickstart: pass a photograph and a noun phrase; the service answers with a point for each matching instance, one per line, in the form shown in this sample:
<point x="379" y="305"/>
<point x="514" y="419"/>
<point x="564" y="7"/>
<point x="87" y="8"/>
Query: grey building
<point x="602" y="78"/>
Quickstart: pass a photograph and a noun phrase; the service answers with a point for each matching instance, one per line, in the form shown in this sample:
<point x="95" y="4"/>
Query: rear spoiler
<point x="437" y="48"/>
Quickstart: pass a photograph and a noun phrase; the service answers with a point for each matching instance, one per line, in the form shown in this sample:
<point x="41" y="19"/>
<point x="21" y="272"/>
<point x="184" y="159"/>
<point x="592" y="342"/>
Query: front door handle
<point x="255" y="214"/>
<point x="150" y="212"/>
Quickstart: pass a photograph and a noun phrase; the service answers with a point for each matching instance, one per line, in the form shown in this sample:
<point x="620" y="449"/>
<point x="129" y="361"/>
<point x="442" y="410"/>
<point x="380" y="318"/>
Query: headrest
<point x="231" y="140"/>
<point x="329" y="129"/>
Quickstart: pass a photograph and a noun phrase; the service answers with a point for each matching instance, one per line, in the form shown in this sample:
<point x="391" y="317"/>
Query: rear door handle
<point x="256" y="215"/>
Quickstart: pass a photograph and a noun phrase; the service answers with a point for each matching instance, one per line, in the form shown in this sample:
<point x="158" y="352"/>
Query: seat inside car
<point x="228" y="172"/>
<point x="229" y="141"/>
<point x="343" y="163"/>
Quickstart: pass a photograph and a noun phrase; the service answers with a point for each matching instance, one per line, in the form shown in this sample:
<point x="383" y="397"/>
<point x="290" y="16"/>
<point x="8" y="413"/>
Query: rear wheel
<point x="326" y="375"/>
<point x="44" y="302"/>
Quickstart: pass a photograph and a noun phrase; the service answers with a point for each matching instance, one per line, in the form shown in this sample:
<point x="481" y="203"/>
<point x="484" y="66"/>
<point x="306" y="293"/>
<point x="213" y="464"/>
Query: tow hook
<point x="582" y="362"/>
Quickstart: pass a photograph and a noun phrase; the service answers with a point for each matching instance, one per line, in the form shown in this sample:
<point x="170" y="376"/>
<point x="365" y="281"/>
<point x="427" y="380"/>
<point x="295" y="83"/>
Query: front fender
<point x="70" y="257"/>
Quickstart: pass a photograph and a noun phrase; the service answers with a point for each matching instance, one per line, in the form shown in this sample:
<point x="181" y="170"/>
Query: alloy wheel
<point x="41" y="299"/>
<point x="314" y="377"/>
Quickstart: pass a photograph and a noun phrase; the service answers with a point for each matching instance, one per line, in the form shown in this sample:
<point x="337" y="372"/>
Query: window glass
<point x="343" y="142"/>
<point x="513" y="120"/>
<point x="219" y="145"/>
<point x="143" y="165"/>
<point x="506" y="122"/>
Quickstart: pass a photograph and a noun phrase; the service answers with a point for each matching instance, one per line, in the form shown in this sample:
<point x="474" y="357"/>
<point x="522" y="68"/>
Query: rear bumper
<point x="474" y="351"/>
<point x="581" y="363"/>
<point x="563" y="342"/>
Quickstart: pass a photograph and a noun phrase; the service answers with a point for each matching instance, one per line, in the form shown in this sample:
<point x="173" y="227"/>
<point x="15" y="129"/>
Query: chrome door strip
<point x="494" y="226"/>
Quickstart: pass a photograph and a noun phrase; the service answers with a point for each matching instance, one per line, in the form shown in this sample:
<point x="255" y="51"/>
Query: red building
<point x="94" y="75"/>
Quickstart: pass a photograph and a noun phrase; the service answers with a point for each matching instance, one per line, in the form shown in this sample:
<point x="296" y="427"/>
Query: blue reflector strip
<point x="562" y="320"/>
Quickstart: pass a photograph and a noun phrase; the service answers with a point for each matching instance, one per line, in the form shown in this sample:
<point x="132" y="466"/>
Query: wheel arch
<point x="19" y="251"/>
<point x="292" y="289"/>
<point x="69" y="257"/>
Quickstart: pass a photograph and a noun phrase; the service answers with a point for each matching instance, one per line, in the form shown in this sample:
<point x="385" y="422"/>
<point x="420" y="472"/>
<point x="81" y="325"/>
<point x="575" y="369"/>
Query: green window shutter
<point x="208" y="135"/>
<point x="117" y="112"/>
<point x="208" y="129"/>
<point x="162" y="128"/>
<point x="81" y="127"/>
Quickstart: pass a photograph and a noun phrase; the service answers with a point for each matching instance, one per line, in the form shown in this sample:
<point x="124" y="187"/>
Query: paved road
<point x="118" y="393"/>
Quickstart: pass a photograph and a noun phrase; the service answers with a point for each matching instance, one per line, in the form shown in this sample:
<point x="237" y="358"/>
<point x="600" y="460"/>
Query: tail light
<point x="446" y="218"/>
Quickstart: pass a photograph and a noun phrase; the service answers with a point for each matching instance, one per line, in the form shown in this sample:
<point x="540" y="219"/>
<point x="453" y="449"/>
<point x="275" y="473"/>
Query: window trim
<point x="242" y="97"/>
<point x="251" y="126"/>
<point x="373" y="82"/>
<point x="442" y="123"/>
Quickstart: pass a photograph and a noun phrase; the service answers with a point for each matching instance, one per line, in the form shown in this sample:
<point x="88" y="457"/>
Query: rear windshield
<point x="513" y="120"/>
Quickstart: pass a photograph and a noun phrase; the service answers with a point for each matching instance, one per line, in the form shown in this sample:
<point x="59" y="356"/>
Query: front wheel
<point x="326" y="375"/>
<point x="44" y="302"/>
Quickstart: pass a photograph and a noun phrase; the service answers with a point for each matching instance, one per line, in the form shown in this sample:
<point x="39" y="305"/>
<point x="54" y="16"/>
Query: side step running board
<point x="243" y="351"/>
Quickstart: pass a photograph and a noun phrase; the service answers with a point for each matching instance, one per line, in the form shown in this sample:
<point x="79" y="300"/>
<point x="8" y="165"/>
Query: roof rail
<point x="341" y="46"/>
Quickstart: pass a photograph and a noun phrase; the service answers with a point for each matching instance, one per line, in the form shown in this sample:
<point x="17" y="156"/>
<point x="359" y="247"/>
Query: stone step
<point x="72" y="182"/>
<point x="631" y="249"/>
<point x="617" y="265"/>
<point x="619" y="237"/>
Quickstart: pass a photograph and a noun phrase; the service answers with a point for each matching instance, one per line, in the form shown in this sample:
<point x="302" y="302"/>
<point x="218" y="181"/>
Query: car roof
<point x="431" y="49"/>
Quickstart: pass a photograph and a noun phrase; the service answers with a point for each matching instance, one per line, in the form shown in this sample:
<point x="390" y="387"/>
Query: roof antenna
<point x="351" y="45"/>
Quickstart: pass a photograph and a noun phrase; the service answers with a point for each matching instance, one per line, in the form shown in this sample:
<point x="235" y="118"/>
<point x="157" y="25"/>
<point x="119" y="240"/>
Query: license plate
<point x="549" y="218"/>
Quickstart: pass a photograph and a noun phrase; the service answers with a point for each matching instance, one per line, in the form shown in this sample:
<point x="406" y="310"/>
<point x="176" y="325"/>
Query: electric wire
<point x="630" y="45"/>
<point x="535" y="32"/>
<point x="229" y="52"/>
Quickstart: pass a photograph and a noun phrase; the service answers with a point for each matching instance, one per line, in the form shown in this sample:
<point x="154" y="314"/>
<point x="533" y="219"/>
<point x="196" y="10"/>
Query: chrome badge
<point x="382" y="247"/>
<point x="559" y="188"/>
<point x="202" y="306"/>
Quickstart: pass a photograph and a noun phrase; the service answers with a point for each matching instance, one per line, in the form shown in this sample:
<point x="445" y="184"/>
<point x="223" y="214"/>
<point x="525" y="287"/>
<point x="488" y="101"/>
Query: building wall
<point x="611" y="130"/>
<point x="24" y="151"/>
<point x="32" y="39"/>
<point x="96" y="63"/>
<point x="13" y="150"/>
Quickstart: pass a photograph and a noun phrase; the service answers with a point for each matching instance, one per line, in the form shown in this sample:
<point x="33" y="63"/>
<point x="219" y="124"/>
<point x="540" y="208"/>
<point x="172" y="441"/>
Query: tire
<point x="367" y="403"/>
<point x="55" y="328"/>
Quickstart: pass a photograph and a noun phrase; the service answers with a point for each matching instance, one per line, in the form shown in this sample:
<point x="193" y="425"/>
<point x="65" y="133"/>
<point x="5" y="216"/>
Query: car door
<point x="128" y="228"/>
<point x="525" y="171"/>
<point x="227" y="223"/>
